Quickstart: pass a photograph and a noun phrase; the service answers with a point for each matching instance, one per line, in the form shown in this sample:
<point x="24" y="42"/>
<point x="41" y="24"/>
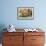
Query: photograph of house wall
<point x="25" y="13"/>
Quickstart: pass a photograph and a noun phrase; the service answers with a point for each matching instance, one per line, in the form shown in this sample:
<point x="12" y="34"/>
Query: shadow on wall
<point x="2" y="26"/>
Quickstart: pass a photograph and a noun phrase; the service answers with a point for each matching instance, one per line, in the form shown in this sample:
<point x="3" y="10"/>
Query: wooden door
<point x="34" y="39"/>
<point x="27" y="39"/>
<point x="13" y="40"/>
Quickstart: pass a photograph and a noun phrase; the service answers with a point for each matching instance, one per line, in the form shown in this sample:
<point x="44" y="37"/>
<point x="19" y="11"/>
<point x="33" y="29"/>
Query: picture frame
<point x="25" y="13"/>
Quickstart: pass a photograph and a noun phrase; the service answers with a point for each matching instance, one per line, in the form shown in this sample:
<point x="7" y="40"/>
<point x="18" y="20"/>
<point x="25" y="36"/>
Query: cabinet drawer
<point x="13" y="33"/>
<point x="12" y="44"/>
<point x="34" y="33"/>
<point x="37" y="39"/>
<point x="27" y="38"/>
<point x="37" y="44"/>
<point x="12" y="39"/>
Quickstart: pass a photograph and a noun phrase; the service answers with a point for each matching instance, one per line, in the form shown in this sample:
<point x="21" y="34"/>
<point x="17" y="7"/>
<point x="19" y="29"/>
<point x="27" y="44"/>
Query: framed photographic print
<point x="25" y="13"/>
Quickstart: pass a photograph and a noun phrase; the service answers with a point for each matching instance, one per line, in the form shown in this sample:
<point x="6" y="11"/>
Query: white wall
<point x="9" y="13"/>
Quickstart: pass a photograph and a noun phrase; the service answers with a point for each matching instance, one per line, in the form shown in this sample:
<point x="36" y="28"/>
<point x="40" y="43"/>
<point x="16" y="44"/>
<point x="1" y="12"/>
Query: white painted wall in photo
<point x="0" y="44"/>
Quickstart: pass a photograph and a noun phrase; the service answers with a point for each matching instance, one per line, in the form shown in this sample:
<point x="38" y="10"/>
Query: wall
<point x="9" y="13"/>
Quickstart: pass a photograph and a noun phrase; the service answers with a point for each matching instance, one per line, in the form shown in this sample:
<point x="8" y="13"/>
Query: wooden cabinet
<point x="23" y="39"/>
